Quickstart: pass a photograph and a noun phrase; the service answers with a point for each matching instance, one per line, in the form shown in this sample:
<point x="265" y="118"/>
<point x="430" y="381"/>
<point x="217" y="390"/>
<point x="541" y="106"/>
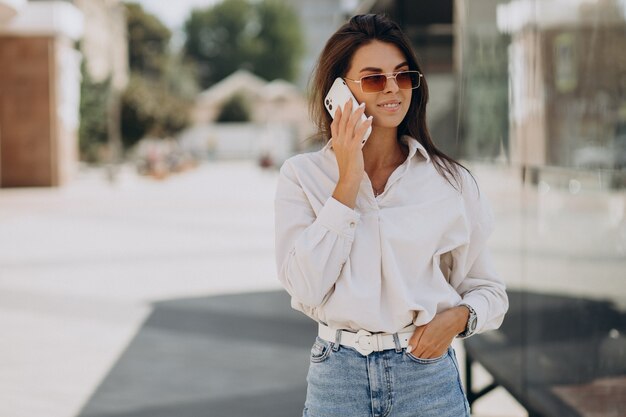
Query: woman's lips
<point x="390" y="106"/>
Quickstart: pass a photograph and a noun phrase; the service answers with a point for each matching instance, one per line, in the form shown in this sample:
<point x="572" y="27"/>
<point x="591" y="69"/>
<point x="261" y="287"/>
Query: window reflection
<point x="542" y="99"/>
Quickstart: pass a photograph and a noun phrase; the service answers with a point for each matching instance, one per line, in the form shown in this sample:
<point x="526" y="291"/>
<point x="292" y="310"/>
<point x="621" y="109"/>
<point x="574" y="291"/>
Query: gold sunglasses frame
<point x="388" y="75"/>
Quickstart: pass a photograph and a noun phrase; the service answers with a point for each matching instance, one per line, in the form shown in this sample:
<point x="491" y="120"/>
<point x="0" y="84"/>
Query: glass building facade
<point x="542" y="120"/>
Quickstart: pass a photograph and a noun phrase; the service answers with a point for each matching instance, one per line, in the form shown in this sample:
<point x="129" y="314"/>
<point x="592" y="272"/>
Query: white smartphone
<point x="338" y="96"/>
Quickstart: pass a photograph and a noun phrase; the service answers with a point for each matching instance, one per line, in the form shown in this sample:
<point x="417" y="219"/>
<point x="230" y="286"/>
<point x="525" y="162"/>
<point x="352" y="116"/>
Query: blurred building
<point x="40" y="82"/>
<point x="279" y="121"/>
<point x="482" y="65"/>
<point x="39" y="92"/>
<point x="9" y="8"/>
<point x="566" y="60"/>
<point x="277" y="101"/>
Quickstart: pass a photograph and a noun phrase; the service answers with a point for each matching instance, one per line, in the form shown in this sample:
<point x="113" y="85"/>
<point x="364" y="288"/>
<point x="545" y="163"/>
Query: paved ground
<point x="233" y="355"/>
<point x="159" y="298"/>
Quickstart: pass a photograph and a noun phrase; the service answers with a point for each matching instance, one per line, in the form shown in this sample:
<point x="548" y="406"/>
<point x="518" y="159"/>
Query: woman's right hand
<point x="347" y="133"/>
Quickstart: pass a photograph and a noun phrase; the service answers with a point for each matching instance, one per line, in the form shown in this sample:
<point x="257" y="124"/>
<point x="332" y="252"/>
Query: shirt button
<point x="352" y="224"/>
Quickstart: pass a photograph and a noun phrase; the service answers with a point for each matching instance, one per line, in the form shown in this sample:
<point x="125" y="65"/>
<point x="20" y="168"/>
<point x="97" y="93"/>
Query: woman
<point x="384" y="245"/>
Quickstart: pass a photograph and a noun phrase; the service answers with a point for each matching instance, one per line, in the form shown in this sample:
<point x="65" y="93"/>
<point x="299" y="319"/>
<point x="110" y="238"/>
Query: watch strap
<point x="470" y="326"/>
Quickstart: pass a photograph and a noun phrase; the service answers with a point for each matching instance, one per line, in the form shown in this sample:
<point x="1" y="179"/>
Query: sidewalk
<point x="148" y="298"/>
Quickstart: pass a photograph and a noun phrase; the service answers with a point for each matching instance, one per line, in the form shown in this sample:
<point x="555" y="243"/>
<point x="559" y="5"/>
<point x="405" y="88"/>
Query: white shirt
<point x="415" y="250"/>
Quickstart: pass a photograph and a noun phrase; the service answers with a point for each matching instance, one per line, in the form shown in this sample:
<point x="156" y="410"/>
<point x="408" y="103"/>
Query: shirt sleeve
<point x="310" y="249"/>
<point x="473" y="274"/>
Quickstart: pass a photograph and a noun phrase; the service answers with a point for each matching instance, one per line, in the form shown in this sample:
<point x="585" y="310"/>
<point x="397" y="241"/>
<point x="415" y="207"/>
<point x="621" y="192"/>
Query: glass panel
<point x="542" y="99"/>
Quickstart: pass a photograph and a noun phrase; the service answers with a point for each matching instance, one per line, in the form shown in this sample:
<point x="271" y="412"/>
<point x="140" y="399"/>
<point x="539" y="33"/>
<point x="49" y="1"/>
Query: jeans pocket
<point x="321" y="350"/>
<point x="426" y="361"/>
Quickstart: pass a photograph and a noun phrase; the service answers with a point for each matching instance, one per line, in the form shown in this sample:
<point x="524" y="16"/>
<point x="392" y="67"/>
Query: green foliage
<point x="263" y="37"/>
<point x="279" y="44"/>
<point x="158" y="97"/>
<point x="148" y="41"/>
<point x="180" y="76"/>
<point x="235" y="109"/>
<point x="92" y="132"/>
<point x="149" y="108"/>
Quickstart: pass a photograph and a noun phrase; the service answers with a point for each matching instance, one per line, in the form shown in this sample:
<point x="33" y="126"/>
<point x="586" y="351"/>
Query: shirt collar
<point x="415" y="146"/>
<point x="412" y="143"/>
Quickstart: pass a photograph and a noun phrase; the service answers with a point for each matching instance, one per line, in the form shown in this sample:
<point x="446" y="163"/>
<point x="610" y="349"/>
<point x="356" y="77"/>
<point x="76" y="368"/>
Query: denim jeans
<point x="391" y="383"/>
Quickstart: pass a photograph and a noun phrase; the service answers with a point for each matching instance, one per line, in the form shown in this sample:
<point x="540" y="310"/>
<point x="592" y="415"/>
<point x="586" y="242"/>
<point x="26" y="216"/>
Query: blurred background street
<point x="140" y="143"/>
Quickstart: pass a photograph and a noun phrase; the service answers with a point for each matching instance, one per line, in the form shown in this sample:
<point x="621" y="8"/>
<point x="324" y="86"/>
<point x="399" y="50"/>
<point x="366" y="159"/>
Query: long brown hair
<point x="335" y="61"/>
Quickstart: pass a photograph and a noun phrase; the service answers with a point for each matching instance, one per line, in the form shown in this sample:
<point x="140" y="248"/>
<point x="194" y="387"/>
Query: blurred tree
<point x="92" y="132"/>
<point x="148" y="41"/>
<point x="161" y="87"/>
<point x="150" y="108"/>
<point x="263" y="37"/>
<point x="235" y="109"/>
<point x="181" y="76"/>
<point x="280" y="44"/>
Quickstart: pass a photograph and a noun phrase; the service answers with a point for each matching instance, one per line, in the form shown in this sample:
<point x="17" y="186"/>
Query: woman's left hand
<point x="433" y="339"/>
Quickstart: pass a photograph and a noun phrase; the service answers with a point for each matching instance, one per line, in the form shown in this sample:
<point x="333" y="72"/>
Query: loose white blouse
<point x="415" y="250"/>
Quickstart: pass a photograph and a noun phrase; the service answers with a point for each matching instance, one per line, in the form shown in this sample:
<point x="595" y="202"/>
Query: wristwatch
<point x="470" y="327"/>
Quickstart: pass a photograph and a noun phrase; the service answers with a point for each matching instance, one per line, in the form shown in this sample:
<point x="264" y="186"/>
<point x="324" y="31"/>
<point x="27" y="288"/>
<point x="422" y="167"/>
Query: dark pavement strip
<point x="231" y="355"/>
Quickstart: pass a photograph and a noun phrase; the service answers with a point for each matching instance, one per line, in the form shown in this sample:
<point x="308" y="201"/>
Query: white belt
<point x="365" y="342"/>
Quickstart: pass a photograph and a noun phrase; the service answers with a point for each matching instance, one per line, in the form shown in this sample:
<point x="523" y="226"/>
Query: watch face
<point x="472" y="324"/>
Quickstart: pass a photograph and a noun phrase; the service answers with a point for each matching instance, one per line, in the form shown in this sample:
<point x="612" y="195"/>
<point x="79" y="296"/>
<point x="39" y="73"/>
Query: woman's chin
<point x="387" y="122"/>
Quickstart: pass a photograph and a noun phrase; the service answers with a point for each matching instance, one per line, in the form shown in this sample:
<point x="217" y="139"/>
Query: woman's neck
<point x="382" y="149"/>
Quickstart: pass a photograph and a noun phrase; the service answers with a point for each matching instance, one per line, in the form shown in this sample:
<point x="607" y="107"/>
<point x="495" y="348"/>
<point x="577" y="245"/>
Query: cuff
<point x="339" y="218"/>
<point x="480" y="306"/>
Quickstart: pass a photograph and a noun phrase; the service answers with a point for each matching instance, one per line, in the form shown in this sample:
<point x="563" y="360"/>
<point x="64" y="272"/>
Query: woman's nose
<point x="391" y="85"/>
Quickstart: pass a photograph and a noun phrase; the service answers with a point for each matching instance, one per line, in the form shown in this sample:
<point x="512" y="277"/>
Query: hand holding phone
<point x="338" y="96"/>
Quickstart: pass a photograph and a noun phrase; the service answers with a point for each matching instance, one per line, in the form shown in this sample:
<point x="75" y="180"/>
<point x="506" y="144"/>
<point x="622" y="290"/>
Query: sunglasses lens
<point x="373" y="83"/>
<point x="408" y="80"/>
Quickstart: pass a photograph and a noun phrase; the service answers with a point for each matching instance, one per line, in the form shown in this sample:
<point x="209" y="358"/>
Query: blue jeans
<point x="391" y="383"/>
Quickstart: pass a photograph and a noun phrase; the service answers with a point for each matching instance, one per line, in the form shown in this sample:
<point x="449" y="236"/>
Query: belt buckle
<point x="364" y="347"/>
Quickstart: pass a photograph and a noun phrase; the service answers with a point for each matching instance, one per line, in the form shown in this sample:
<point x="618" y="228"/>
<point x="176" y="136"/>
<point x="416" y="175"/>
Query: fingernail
<point x="362" y="105"/>
<point x="370" y="118"/>
<point x="409" y="348"/>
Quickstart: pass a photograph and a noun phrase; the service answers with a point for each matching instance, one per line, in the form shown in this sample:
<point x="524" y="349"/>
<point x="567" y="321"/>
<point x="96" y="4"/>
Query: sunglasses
<point x="375" y="83"/>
